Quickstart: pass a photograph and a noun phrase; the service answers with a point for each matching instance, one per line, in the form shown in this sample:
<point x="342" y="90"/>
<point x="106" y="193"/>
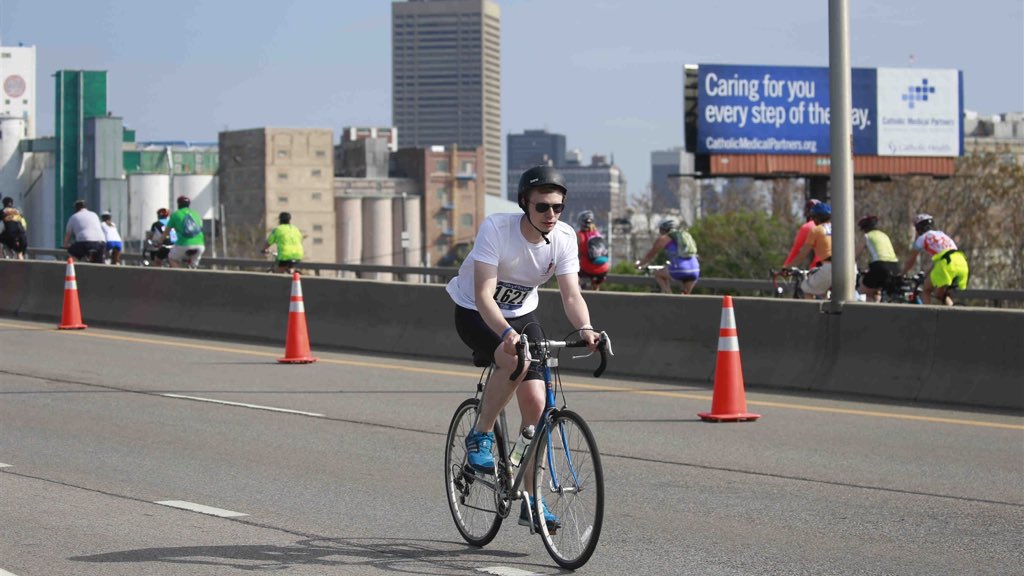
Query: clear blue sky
<point x="607" y="74"/>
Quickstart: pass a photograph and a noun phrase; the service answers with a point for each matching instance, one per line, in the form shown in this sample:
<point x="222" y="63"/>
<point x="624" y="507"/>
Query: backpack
<point x="189" y="228"/>
<point x="593" y="249"/>
<point x="13" y="225"/>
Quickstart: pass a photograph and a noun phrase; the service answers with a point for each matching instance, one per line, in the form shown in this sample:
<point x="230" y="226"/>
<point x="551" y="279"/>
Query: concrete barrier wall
<point x="971" y="357"/>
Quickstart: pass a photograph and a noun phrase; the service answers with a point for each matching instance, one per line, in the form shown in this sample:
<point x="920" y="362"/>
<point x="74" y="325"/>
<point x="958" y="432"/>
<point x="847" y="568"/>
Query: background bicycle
<point x="567" y="471"/>
<point x="787" y="281"/>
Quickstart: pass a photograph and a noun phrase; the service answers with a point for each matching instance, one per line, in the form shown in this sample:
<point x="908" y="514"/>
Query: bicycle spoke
<point x="574" y="483"/>
<point x="471" y="497"/>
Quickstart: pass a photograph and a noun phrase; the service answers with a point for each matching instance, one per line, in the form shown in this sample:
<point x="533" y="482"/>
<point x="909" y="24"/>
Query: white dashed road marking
<point x="243" y="405"/>
<point x="2" y="465"/>
<point x="505" y="571"/>
<point x="199" y="508"/>
<point x="6" y="573"/>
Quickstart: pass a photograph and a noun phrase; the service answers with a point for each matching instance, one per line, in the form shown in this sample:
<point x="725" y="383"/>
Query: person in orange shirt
<point x="801" y="237"/>
<point x="818" y="242"/>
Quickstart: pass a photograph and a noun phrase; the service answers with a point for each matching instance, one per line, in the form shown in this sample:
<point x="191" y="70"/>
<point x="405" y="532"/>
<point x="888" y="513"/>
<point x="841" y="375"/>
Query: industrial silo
<point x="201" y="189"/>
<point x="406" y="232"/>
<point x="349" y="231"/>
<point x="147" y="193"/>
<point x="12" y="131"/>
<point x="377" y="245"/>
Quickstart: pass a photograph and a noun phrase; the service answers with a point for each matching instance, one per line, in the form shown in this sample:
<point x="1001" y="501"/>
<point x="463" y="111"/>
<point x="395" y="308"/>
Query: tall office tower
<point x="446" y="77"/>
<point x="532" y="148"/>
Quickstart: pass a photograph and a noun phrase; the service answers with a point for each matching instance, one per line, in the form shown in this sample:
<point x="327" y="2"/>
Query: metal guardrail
<point x="442" y="274"/>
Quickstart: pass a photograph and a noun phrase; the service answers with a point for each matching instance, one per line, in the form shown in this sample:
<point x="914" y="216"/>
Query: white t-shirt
<point x="85" y="226"/>
<point x="111" y="233"/>
<point x="522" y="266"/>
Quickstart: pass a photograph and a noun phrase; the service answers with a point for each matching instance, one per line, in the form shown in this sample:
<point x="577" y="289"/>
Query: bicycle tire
<point x="471" y="503"/>
<point x="574" y="491"/>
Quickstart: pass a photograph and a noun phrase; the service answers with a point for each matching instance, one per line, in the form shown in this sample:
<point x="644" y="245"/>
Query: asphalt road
<point x="335" y="468"/>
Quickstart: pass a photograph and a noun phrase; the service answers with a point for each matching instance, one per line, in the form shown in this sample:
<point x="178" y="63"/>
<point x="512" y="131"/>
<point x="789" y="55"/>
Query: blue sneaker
<point x="478" y="451"/>
<point x="550" y="519"/>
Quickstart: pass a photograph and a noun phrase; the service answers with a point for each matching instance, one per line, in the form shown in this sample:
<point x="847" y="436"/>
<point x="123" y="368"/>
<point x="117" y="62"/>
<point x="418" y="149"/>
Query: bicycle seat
<point x="191" y="252"/>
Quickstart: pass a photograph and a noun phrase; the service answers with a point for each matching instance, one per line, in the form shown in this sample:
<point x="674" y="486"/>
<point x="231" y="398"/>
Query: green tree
<point x="743" y="244"/>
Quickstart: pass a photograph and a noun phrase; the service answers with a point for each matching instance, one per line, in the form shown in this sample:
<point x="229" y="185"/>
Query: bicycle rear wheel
<point x="471" y="497"/>
<point x="569" y="478"/>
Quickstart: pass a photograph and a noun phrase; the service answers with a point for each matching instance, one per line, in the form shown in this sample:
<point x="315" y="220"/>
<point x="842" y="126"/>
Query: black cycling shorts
<point x="80" y="250"/>
<point x="880" y="274"/>
<point x="483" y="341"/>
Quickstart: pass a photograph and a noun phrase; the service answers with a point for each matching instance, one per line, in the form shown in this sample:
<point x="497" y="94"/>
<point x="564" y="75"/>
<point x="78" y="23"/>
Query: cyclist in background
<point x="818" y="242"/>
<point x="188" y="229"/>
<point x="289" y="243"/>
<point x="158" y="244"/>
<point x="883" y="266"/>
<point x="801" y="237"/>
<point x="594" y="261"/>
<point x="113" y="238"/>
<point x="14" y="235"/>
<point x="949" y="266"/>
<point x="85" y="229"/>
<point x="495" y="298"/>
<point x="681" y="249"/>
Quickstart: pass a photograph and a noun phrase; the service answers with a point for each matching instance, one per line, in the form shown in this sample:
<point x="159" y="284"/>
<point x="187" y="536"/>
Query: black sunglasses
<point x="543" y="207"/>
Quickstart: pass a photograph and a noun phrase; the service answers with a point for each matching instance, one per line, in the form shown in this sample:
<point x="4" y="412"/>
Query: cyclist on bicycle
<point x="158" y="244"/>
<point x="801" y="237"/>
<point x="14" y="234"/>
<point x="949" y="267"/>
<point x="682" y="257"/>
<point x="594" y="262"/>
<point x="495" y="296"/>
<point x="818" y="241"/>
<point x="289" y="243"/>
<point x="85" y="229"/>
<point x="189" y="243"/>
<point x="883" y="266"/>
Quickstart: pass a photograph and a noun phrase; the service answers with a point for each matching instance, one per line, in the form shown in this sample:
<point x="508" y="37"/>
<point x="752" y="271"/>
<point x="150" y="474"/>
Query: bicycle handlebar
<point x="604" y="348"/>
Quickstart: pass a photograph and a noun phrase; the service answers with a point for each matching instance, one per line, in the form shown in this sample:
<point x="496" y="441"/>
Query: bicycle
<point x="901" y="289"/>
<point x="793" y="276"/>
<point x="568" y="467"/>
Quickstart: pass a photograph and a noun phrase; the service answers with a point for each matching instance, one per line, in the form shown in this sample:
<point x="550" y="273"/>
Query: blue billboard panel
<point x="776" y="110"/>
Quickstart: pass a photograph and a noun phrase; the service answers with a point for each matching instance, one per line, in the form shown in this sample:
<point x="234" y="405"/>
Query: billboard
<point x="785" y="110"/>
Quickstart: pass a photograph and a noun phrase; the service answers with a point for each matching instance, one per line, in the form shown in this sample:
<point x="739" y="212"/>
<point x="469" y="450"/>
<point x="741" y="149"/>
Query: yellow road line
<point x="594" y="387"/>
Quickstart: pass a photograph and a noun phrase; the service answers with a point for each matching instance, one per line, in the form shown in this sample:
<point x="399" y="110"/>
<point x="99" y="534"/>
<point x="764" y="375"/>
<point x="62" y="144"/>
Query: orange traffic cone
<point x="71" y="316"/>
<point x="296" y="344"/>
<point x="728" y="403"/>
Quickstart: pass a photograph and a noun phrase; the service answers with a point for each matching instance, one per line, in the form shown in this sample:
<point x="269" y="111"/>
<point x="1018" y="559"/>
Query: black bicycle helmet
<point x="868" y="222"/>
<point x="284" y="218"/>
<point x="923" y="223"/>
<point x="666" y="226"/>
<point x="539" y="176"/>
<point x="184" y="201"/>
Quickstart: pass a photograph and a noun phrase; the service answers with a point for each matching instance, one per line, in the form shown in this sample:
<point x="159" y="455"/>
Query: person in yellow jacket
<point x="288" y="239"/>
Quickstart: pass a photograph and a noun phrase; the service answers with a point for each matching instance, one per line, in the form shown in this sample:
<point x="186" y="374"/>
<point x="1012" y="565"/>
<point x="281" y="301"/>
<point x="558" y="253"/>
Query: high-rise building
<point x="532" y="148"/>
<point x="79" y="95"/>
<point x="446" y="78"/>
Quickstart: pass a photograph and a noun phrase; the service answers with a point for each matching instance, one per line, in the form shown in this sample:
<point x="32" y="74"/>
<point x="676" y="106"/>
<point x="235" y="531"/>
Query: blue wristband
<point x="505" y="333"/>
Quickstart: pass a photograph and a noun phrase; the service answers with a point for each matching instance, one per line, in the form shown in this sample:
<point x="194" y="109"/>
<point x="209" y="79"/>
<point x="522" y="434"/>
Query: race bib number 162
<point x="511" y="296"/>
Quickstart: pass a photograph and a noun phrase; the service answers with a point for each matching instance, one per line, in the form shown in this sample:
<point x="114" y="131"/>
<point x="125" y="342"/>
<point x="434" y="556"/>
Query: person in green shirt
<point x="189" y="243"/>
<point x="289" y="243"/>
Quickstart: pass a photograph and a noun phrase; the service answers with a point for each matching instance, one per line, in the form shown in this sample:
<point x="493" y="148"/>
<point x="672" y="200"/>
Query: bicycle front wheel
<point x="570" y="481"/>
<point x="471" y="497"/>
